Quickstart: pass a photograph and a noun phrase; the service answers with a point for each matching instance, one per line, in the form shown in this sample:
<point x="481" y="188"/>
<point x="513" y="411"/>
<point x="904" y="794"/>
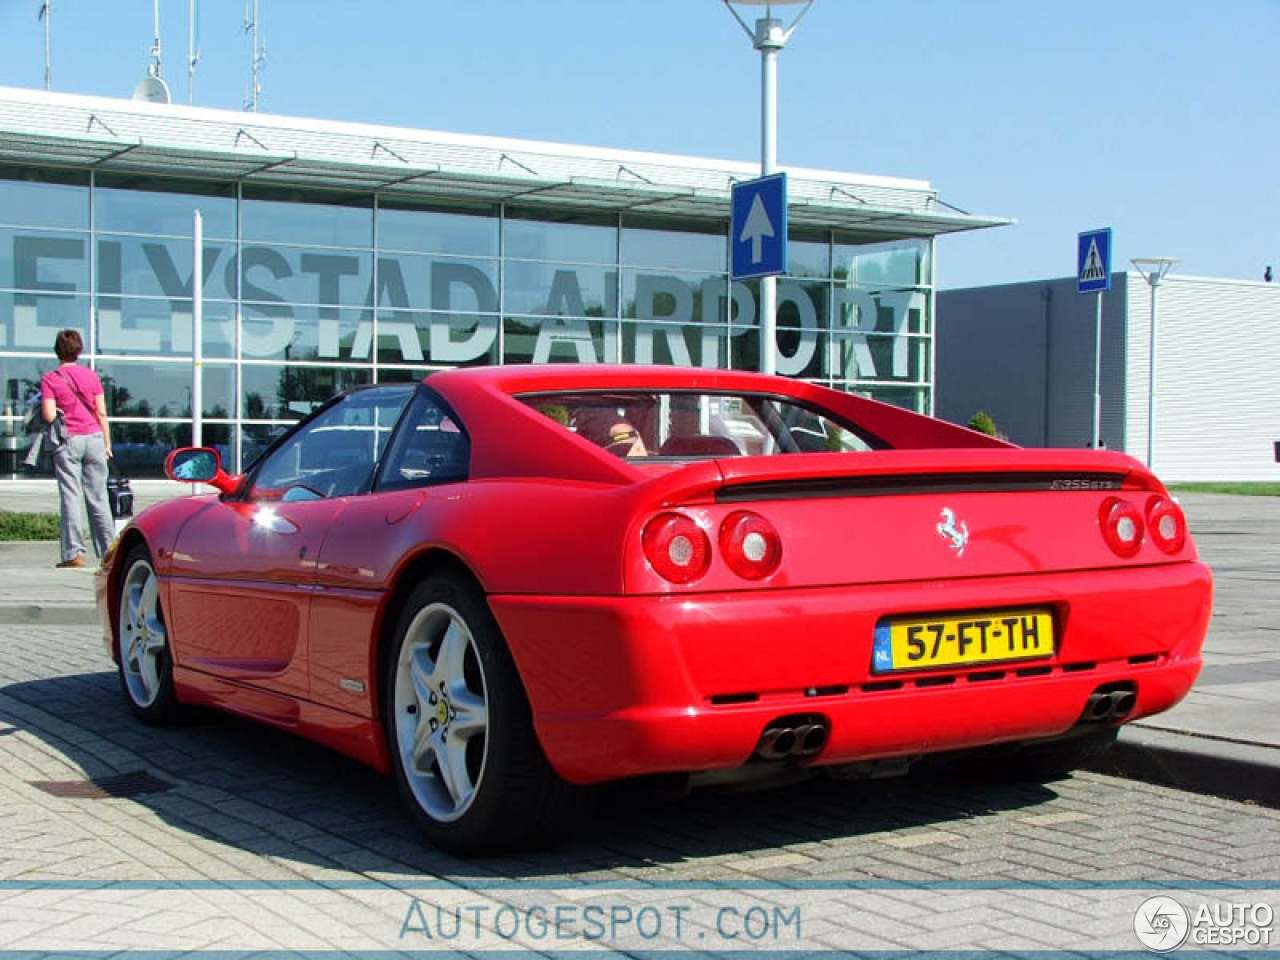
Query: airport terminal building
<point x="338" y="254"/>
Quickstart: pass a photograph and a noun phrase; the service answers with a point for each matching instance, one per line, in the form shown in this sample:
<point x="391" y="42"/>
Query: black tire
<point x="143" y="645"/>
<point x="1038" y="762"/>
<point x="496" y="791"/>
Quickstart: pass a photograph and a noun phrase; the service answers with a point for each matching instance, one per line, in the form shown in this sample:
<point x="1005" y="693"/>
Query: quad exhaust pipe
<point x="801" y="735"/>
<point x="804" y="735"/>
<point x="1110" y="703"/>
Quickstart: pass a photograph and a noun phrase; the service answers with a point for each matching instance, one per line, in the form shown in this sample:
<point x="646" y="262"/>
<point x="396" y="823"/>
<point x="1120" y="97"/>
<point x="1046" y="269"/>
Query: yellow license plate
<point x="917" y="643"/>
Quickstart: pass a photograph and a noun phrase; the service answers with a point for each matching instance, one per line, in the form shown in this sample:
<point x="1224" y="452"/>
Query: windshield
<point x="688" y="425"/>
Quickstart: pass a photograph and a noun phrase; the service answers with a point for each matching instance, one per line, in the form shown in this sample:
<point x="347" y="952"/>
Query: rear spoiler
<point x="888" y="486"/>
<point x="901" y="472"/>
<point x="904" y="472"/>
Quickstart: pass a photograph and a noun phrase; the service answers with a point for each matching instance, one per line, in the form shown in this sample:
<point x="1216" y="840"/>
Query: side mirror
<point x="198" y="465"/>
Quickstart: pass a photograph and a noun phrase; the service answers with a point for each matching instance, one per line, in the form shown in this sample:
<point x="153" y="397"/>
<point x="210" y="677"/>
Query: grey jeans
<point x="80" y="465"/>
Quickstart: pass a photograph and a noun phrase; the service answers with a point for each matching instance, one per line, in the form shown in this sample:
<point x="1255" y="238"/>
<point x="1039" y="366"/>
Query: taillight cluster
<point x="676" y="547"/>
<point x="1123" y="525"/>
<point x="1167" y="524"/>
<point x="680" y="550"/>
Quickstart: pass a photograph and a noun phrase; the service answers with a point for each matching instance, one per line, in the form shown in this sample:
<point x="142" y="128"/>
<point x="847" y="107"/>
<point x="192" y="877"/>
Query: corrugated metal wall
<point x="1218" y="377"/>
<point x="1025" y="353"/>
<point x="990" y="345"/>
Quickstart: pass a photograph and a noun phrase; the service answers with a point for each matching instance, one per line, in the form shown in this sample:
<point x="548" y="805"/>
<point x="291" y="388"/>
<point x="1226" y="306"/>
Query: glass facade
<point x="307" y="293"/>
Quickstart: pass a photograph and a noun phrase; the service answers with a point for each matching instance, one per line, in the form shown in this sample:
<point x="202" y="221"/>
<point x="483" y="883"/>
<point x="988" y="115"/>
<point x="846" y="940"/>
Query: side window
<point x="335" y="454"/>
<point x="430" y="448"/>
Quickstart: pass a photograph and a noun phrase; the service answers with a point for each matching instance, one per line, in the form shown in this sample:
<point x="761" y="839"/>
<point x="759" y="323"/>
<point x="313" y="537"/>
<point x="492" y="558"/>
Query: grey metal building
<point x="1024" y="353"/>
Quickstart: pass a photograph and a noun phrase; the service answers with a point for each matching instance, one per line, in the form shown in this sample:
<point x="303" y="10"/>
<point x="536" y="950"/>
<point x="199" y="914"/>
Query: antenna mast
<point x="259" y="62"/>
<point x="46" y="10"/>
<point x="154" y="69"/>
<point x="193" y="46"/>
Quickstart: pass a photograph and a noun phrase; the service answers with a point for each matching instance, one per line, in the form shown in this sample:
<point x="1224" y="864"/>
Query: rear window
<point x="690" y="425"/>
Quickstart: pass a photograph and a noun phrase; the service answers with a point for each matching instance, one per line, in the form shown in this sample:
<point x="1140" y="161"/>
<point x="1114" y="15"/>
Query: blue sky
<point x="1158" y="119"/>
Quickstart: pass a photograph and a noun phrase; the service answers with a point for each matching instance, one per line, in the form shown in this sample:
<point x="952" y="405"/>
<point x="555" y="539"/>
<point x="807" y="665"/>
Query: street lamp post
<point x="1153" y="270"/>
<point x="769" y="36"/>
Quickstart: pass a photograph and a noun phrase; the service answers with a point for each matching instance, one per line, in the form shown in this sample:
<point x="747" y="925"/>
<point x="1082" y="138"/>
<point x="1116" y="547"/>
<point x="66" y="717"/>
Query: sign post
<point x="197" y="333"/>
<point x="197" y="329"/>
<point x="1093" y="275"/>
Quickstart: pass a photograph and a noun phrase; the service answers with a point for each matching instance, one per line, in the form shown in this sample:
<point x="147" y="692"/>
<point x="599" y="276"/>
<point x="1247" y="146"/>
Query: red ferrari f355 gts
<point x="501" y="585"/>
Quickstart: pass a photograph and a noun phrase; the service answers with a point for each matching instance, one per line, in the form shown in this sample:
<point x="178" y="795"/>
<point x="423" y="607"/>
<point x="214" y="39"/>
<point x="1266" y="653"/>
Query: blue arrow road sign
<point x="758" y="228"/>
<point x="1093" y="261"/>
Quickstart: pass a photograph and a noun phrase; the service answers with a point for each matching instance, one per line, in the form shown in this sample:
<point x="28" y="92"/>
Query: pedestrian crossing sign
<point x="1093" y="261"/>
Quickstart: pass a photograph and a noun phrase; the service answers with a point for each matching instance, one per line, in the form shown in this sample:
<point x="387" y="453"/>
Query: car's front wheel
<point x="142" y="643"/>
<point x="460" y="730"/>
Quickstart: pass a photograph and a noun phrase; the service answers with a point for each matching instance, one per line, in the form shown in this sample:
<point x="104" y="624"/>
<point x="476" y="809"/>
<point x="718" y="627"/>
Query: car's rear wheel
<point x="460" y="730"/>
<point x="142" y="641"/>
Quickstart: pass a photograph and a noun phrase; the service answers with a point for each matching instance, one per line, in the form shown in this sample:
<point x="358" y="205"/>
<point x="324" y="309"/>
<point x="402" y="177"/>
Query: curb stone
<point x="1234" y="770"/>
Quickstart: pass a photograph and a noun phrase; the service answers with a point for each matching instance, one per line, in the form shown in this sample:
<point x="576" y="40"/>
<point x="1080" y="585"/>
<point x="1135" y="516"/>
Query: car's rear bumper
<point x="624" y="686"/>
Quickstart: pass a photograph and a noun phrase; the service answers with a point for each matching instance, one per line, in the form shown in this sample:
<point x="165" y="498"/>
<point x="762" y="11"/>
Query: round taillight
<point x="1121" y="526"/>
<point x="750" y="545"/>
<point x="676" y="547"/>
<point x="1167" y="524"/>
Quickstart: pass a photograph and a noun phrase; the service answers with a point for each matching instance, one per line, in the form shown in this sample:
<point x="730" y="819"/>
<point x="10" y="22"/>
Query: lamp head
<point x="1153" y="268"/>
<point x="769" y="33"/>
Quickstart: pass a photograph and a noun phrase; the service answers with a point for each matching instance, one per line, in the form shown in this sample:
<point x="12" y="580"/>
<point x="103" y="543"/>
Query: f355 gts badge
<point x="957" y="534"/>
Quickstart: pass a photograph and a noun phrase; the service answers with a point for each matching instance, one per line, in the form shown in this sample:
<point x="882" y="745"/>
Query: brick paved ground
<point x="254" y="806"/>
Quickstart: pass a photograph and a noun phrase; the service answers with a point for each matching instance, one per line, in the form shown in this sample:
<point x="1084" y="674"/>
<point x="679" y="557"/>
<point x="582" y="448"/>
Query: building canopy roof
<point x="165" y="140"/>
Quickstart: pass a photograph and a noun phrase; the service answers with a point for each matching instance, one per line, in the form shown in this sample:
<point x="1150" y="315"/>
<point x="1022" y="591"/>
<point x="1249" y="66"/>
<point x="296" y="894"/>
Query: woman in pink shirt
<point x="80" y="464"/>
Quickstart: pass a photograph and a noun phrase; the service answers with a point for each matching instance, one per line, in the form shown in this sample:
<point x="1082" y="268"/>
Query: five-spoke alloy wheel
<point x="442" y="712"/>
<point x="142" y="642"/>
